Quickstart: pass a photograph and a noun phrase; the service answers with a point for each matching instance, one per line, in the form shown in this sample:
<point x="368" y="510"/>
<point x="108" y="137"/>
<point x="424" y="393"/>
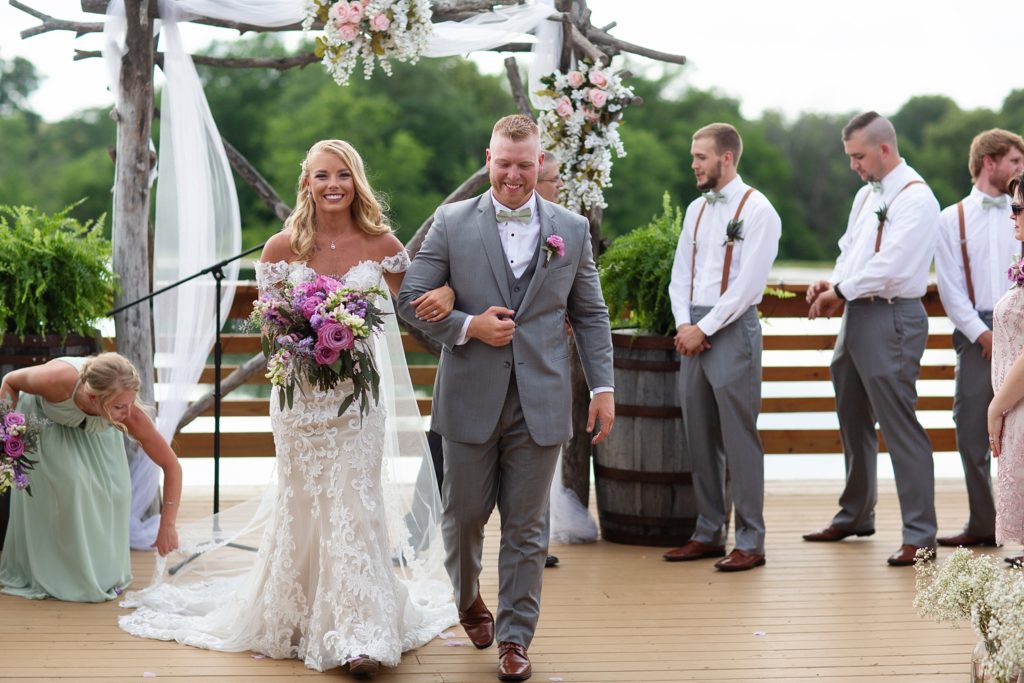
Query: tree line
<point x="423" y="131"/>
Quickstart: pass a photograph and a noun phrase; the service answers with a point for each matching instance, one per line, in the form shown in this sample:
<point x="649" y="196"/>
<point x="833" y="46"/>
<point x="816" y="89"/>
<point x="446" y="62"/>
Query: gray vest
<point x="517" y="286"/>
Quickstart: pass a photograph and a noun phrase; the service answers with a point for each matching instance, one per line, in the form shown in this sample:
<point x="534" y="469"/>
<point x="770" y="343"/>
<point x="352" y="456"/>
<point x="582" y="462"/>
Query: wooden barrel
<point x="642" y="470"/>
<point x="16" y="352"/>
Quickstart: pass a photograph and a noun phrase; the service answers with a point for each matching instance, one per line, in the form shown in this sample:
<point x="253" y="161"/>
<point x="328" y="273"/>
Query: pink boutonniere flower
<point x="1016" y="274"/>
<point x="553" y="246"/>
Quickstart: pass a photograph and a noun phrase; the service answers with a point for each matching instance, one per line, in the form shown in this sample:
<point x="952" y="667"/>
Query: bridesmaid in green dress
<point x="69" y="539"/>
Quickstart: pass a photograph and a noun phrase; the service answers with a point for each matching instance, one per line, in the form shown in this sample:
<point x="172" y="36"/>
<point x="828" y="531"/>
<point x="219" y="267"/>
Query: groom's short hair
<point x="726" y="139"/>
<point x="516" y="127"/>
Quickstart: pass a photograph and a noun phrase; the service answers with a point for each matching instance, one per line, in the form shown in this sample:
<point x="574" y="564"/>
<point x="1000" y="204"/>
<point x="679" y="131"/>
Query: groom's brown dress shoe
<point x="513" y="664"/>
<point x="739" y="561"/>
<point x="830" y="534"/>
<point x="907" y="555"/>
<point x="479" y="623"/>
<point x="966" y="540"/>
<point x="694" y="550"/>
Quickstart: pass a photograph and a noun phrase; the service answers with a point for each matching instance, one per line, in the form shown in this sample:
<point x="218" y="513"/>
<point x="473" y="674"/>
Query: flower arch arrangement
<point x="581" y="130"/>
<point x="374" y="30"/>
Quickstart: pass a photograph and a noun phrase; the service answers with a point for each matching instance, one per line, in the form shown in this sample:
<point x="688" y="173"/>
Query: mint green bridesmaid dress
<point x="69" y="539"/>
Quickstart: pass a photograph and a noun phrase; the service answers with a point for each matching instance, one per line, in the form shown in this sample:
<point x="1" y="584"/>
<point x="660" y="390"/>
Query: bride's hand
<point x="166" y="539"/>
<point x="995" y="429"/>
<point x="435" y="305"/>
<point x="9" y="393"/>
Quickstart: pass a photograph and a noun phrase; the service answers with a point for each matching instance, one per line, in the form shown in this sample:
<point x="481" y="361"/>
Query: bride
<point x="349" y="570"/>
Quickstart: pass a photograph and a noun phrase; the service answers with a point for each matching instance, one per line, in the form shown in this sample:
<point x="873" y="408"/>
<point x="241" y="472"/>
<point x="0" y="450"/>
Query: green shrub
<point x="55" y="275"/>
<point x="636" y="271"/>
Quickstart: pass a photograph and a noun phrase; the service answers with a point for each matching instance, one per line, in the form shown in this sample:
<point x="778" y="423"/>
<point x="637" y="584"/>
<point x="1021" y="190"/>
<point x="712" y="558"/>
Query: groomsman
<point x="729" y="240"/>
<point x="881" y="273"/>
<point x="976" y="246"/>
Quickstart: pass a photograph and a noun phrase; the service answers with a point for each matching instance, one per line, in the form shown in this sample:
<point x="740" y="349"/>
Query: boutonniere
<point x="882" y="212"/>
<point x="553" y="246"/>
<point x="1016" y="274"/>
<point x="733" y="231"/>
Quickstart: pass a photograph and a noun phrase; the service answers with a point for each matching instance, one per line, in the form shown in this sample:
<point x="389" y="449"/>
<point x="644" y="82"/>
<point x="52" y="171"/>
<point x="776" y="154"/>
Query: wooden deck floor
<point x="821" y="612"/>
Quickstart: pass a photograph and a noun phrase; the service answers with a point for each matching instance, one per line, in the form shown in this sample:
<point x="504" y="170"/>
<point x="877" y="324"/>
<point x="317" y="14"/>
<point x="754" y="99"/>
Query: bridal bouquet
<point x="19" y="436"/>
<point x="320" y="331"/>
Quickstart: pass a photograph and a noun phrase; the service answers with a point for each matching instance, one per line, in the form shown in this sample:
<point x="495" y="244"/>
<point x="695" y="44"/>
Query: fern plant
<point x="636" y="271"/>
<point x="55" y="275"/>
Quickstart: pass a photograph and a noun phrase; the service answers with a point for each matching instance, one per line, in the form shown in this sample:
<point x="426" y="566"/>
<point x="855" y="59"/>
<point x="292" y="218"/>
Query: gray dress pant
<point x="720" y="392"/>
<point x="970" y="413"/>
<point x="875" y="368"/>
<point x="512" y="471"/>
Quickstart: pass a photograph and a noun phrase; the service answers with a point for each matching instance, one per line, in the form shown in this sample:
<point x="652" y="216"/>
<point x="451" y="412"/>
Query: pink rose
<point x="340" y="13"/>
<point x="598" y="97"/>
<point x="308" y="307"/>
<point x="591" y="114"/>
<point x="598" y="78"/>
<point x="564" y="107"/>
<point x="326" y="283"/>
<point x="557" y="244"/>
<point x="13" y="418"/>
<point x="14" y="446"/>
<point x="348" y="32"/>
<point x="380" y="22"/>
<point x="335" y="336"/>
<point x="325" y="356"/>
<point x="357" y="12"/>
<point x="576" y="79"/>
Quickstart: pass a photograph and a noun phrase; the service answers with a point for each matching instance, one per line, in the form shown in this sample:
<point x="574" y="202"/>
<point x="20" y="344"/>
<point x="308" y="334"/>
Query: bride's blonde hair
<point x="367" y="208"/>
<point x="108" y="375"/>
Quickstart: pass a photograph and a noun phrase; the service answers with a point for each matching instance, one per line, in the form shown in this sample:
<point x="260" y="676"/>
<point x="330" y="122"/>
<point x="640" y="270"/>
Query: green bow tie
<point x="994" y="202"/>
<point x="876" y="185"/>
<point x="713" y="197"/>
<point x="520" y="215"/>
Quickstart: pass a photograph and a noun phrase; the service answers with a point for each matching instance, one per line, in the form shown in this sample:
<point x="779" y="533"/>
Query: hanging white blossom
<point x="375" y="31"/>
<point x="581" y="129"/>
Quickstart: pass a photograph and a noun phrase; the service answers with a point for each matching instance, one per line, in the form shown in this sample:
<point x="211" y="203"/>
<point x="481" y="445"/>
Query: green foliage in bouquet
<point x="55" y="275"/>
<point x="636" y="271"/>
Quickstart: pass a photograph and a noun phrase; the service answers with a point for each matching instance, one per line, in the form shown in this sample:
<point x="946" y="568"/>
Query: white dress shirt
<point x="991" y="249"/>
<point x="752" y="257"/>
<point x="900" y="267"/>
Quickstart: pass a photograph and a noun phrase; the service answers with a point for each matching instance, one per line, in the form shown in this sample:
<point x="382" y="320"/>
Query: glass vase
<point x="981" y="671"/>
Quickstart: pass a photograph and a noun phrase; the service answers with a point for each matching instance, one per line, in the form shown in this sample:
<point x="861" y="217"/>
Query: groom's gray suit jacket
<point x="463" y="249"/>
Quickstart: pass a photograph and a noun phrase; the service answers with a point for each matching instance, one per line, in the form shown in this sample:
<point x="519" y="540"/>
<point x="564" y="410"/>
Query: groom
<point x="518" y="264"/>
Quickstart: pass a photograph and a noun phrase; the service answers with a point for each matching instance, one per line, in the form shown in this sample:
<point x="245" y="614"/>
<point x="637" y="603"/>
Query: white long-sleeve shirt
<point x="900" y="267"/>
<point x="991" y="249"/>
<point x="752" y="257"/>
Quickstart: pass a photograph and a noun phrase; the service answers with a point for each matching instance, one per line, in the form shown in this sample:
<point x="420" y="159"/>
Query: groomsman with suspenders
<point x="976" y="246"/>
<point x="729" y="240"/>
<point x="882" y="273"/>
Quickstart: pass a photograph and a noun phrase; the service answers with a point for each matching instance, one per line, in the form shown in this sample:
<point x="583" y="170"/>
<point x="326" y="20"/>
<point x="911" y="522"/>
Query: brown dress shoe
<point x="362" y="666"/>
<point x="694" y="550"/>
<point x="907" y="555"/>
<point x="739" y="561"/>
<point x="513" y="664"/>
<point x="965" y="540"/>
<point x="479" y="623"/>
<point x="830" y="534"/>
<point x="1017" y="561"/>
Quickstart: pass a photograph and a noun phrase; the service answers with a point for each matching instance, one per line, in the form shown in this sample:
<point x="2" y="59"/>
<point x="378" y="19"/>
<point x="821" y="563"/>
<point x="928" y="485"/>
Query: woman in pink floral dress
<point x="1005" y="413"/>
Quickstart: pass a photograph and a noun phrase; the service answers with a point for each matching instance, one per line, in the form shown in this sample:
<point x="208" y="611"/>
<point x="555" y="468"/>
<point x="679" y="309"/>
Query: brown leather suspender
<point x="881" y="221"/>
<point x="963" y="250"/>
<point x="728" y="247"/>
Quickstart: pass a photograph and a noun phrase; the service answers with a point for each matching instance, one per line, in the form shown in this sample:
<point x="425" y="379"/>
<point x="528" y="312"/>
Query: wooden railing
<point x="787" y="440"/>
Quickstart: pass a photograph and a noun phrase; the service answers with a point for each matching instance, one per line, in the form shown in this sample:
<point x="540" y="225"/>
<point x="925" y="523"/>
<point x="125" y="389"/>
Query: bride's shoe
<point x="362" y="666"/>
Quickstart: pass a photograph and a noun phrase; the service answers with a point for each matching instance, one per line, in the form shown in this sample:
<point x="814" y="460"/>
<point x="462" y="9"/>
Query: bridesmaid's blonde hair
<point x="108" y="375"/>
<point x="367" y="209"/>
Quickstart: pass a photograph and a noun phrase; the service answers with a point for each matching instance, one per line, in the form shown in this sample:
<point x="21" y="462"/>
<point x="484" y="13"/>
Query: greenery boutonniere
<point x="882" y="212"/>
<point x="733" y="231"/>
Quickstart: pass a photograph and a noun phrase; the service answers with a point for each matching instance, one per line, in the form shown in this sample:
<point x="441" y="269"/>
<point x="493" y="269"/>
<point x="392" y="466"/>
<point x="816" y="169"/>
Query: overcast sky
<point x="787" y="55"/>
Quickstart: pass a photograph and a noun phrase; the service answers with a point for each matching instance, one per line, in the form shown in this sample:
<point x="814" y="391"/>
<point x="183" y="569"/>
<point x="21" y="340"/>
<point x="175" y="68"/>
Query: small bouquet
<point x="19" y="436"/>
<point x="1016" y="273"/>
<point x="320" y="331"/>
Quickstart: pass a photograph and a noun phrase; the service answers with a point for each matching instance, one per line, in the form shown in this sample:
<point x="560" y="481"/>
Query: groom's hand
<point x="493" y="327"/>
<point x="602" y="411"/>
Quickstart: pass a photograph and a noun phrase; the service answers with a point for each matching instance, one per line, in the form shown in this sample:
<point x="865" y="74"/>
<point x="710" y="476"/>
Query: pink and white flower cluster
<point x="581" y="129"/>
<point x="374" y="30"/>
<point x="319" y="331"/>
<point x="19" y="436"/>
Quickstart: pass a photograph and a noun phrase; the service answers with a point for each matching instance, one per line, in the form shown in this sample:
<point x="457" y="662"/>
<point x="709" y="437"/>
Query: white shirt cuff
<point x="601" y="390"/>
<point x="464" y="334"/>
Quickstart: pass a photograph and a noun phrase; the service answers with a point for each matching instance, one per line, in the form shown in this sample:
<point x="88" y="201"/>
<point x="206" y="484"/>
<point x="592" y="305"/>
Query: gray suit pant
<point x="511" y="470"/>
<point x="875" y="368"/>
<point x="720" y="392"/>
<point x="970" y="413"/>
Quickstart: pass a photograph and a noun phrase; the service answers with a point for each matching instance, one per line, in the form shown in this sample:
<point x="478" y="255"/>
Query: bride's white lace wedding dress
<point x="344" y="567"/>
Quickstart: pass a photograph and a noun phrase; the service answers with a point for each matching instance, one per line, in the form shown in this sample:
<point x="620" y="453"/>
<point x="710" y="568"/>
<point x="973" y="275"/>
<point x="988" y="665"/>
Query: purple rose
<point x="14" y="446"/>
<point x="13" y="418"/>
<point x="326" y="284"/>
<point x="325" y="356"/>
<point x="308" y="307"/>
<point x="336" y="336"/>
<point x="557" y="244"/>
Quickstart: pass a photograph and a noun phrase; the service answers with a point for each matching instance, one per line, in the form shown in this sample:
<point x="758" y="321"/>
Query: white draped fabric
<point x="197" y="218"/>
